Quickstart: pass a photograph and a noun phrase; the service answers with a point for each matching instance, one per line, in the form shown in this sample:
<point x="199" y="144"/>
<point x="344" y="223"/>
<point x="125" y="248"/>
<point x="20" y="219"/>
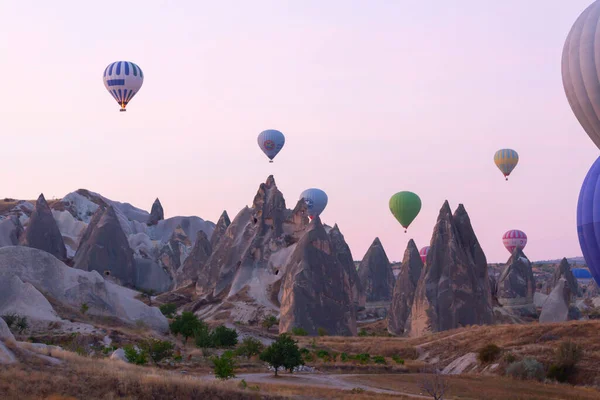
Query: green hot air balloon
<point x="405" y="206"/>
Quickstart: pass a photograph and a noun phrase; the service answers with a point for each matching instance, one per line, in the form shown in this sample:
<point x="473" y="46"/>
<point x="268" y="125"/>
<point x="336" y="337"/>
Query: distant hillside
<point x="572" y="260"/>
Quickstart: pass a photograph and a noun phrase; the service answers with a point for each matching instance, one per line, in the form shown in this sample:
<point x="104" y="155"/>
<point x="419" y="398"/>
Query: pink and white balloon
<point x="423" y="253"/>
<point x="514" y="239"/>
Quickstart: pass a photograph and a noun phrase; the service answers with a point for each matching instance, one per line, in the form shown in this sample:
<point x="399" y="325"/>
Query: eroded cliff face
<point x="316" y="293"/>
<point x="564" y="271"/>
<point x="222" y="225"/>
<point x="351" y="278"/>
<point x="376" y="275"/>
<point x="516" y="286"/>
<point x="404" y="289"/>
<point x="42" y="231"/>
<point x="454" y="288"/>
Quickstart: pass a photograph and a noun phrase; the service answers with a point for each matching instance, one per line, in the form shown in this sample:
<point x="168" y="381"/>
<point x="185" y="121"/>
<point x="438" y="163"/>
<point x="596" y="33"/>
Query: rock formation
<point x="72" y="287"/>
<point x="375" y="274"/>
<point x="404" y="289"/>
<point x="157" y="213"/>
<point x="222" y="225"/>
<point x="592" y="289"/>
<point x="188" y="272"/>
<point x="175" y="251"/>
<point x="556" y="307"/>
<point x="315" y="294"/>
<point x="105" y="248"/>
<point x="11" y="231"/>
<point x="516" y="286"/>
<point x="564" y="271"/>
<point x="43" y="233"/>
<point x="454" y="288"/>
<point x="344" y="256"/>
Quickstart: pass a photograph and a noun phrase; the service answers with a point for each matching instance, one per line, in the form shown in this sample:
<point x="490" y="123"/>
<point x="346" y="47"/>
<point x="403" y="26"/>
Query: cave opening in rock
<point x="107" y="273"/>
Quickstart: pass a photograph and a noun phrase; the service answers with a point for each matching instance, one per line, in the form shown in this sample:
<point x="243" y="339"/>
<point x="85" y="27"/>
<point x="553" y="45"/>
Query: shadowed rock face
<point x="220" y="229"/>
<point x="42" y="231"/>
<point x="105" y="248"/>
<point x="556" y="306"/>
<point x="176" y="250"/>
<point x="188" y="272"/>
<point x="351" y="278"/>
<point x="564" y="271"/>
<point x="11" y="231"/>
<point x="516" y="285"/>
<point x="157" y="213"/>
<point x="404" y="289"/>
<point x="375" y="274"/>
<point x="315" y="291"/>
<point x="454" y="288"/>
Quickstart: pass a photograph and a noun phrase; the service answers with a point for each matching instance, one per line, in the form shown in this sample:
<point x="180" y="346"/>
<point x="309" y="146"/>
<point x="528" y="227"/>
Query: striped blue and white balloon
<point x="316" y="201"/>
<point x="123" y="79"/>
<point x="271" y="142"/>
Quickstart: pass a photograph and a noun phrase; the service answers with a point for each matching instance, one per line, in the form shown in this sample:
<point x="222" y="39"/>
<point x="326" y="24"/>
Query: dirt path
<point x="329" y="381"/>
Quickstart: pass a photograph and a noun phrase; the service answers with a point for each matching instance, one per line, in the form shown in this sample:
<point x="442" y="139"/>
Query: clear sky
<point x="374" y="97"/>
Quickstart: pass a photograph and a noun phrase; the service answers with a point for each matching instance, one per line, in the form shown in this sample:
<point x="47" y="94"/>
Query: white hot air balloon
<point x="316" y="201"/>
<point x="123" y="79"/>
<point x="271" y="142"/>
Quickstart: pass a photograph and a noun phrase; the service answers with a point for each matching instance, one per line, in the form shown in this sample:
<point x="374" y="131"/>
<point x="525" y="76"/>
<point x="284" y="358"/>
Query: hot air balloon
<point x="405" y="206"/>
<point x="581" y="69"/>
<point x="588" y="219"/>
<point x="506" y="160"/>
<point x="123" y="79"/>
<point x="271" y="142"/>
<point x="316" y="201"/>
<point x="514" y="239"/>
<point x="423" y="253"/>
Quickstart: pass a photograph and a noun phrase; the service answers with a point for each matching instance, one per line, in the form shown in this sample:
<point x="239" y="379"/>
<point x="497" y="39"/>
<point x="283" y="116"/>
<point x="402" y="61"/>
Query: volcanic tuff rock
<point x="175" y="251"/>
<point x="73" y="287"/>
<point x="351" y="278"/>
<point x="375" y="274"/>
<point x="10" y="230"/>
<point x="105" y="248"/>
<point x="404" y="289"/>
<point x="556" y="306"/>
<point x="157" y="213"/>
<point x="454" y="288"/>
<point x="188" y="272"/>
<point x="564" y="271"/>
<point x="42" y="232"/>
<point x="222" y="225"/>
<point x="315" y="291"/>
<point x="516" y="285"/>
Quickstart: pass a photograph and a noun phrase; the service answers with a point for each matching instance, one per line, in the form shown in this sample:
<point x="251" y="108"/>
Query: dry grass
<point x="482" y="387"/>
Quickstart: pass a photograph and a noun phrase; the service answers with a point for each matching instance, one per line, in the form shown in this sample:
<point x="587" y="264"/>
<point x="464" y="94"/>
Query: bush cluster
<point x="16" y="322"/>
<point x="528" y="368"/>
<point x="188" y="325"/>
<point x="489" y="353"/>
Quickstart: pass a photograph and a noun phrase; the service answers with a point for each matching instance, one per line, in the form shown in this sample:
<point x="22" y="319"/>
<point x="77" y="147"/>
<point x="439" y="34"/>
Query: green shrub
<point x="299" y="332"/>
<point x="283" y="352"/>
<point x="379" y="360"/>
<point x="568" y="354"/>
<point x="322" y="332"/>
<point x="363" y="333"/>
<point x="168" y="309"/>
<point x="269" y="321"/>
<point x="344" y="357"/>
<point x="203" y="337"/>
<point x="16" y="323"/>
<point x="510" y="358"/>
<point x="363" y="358"/>
<point x="135" y="356"/>
<point x="323" y="354"/>
<point x="489" y="353"/>
<point x="84" y="308"/>
<point x="186" y="325"/>
<point x="528" y="368"/>
<point x="224" y="366"/>
<point x="249" y="347"/>
<point x="398" y="360"/>
<point x="156" y="349"/>
<point x="222" y="336"/>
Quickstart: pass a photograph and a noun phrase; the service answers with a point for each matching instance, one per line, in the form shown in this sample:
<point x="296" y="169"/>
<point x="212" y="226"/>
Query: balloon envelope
<point x="581" y="69"/>
<point x="423" y="252"/>
<point x="514" y="239"/>
<point x="588" y="219"/>
<point x="271" y="142"/>
<point x="123" y="79"/>
<point x="405" y="206"/>
<point x="316" y="201"/>
<point x="506" y="160"/>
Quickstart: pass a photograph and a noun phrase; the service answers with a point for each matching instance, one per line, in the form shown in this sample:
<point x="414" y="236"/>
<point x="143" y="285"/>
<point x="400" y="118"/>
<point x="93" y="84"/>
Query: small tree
<point x="156" y="349"/>
<point x="186" y="324"/>
<point x="168" y="309"/>
<point x="435" y="385"/>
<point x="134" y="355"/>
<point x="284" y="352"/>
<point x="249" y="347"/>
<point x="148" y="293"/>
<point x="203" y="337"/>
<point x="224" y="337"/>
<point x="322" y="332"/>
<point x="224" y="366"/>
<point x="269" y="321"/>
<point x="84" y="308"/>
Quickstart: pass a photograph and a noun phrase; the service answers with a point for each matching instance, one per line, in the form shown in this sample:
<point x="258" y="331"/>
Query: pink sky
<point x="373" y="97"/>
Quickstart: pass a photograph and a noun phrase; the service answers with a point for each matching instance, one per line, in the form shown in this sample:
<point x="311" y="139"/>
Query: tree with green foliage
<point x="202" y="336"/>
<point x="249" y="347"/>
<point x="156" y="349"/>
<point x="16" y="322"/>
<point x="269" y="321"/>
<point x="284" y="352"/>
<point x="299" y="331"/>
<point x="224" y="366"/>
<point x="224" y="337"/>
<point x="186" y="325"/>
<point x="168" y="309"/>
<point x="135" y="356"/>
<point x="84" y="308"/>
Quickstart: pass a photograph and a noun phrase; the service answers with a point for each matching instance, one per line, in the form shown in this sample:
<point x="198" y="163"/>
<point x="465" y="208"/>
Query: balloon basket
<point x="122" y="110"/>
<point x="270" y="161"/>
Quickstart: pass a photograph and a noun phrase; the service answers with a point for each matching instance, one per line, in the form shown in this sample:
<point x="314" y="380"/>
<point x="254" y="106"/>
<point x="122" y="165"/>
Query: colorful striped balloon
<point x="514" y="239"/>
<point x="123" y="79"/>
<point x="506" y="160"/>
<point x="423" y="253"/>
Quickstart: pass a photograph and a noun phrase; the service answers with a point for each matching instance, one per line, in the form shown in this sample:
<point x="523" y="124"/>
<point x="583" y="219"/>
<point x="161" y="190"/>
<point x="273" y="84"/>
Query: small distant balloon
<point x="271" y="142"/>
<point x="123" y="79"/>
<point x="514" y="239"/>
<point x="405" y="206"/>
<point x="423" y="253"/>
<point x="506" y="160"/>
<point x="316" y="201"/>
